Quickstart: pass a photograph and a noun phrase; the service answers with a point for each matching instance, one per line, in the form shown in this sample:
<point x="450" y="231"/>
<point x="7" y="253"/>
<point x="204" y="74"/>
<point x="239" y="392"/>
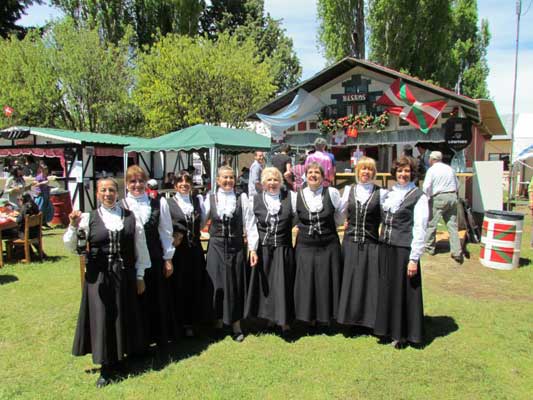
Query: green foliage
<point x="436" y="40"/>
<point x="184" y="81"/>
<point x="147" y="17"/>
<point x="27" y="82"/>
<point x="274" y="45"/>
<point x="339" y="21"/>
<point x="69" y="78"/>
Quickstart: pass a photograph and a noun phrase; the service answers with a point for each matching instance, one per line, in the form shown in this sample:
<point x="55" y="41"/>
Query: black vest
<point x="101" y="246"/>
<point x="397" y="229"/>
<point x="274" y="229"/>
<point x="188" y="225"/>
<point x="223" y="226"/>
<point x="363" y="219"/>
<point x="316" y="227"/>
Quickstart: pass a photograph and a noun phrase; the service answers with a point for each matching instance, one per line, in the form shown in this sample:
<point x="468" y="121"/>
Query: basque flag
<point x="400" y="101"/>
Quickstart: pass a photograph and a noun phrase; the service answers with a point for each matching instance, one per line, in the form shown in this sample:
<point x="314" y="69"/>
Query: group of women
<point x="147" y="280"/>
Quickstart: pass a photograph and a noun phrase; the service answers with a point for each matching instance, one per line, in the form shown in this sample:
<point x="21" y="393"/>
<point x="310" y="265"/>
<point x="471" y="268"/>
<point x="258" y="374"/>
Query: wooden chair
<point x="30" y="221"/>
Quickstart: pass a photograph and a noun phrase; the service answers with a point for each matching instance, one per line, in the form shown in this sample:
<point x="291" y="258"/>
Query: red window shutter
<point x="302" y="126"/>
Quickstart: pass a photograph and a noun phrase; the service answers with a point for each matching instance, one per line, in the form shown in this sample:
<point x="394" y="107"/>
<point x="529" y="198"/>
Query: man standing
<point x="254" y="182"/>
<point x="283" y="163"/>
<point x="321" y="157"/>
<point x="440" y="185"/>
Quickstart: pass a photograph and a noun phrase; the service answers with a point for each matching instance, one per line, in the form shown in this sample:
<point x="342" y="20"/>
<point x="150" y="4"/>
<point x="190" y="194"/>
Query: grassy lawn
<point x="479" y="327"/>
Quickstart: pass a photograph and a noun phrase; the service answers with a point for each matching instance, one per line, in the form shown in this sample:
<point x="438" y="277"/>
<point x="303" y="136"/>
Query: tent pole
<point x="213" y="163"/>
<point x="518" y="13"/>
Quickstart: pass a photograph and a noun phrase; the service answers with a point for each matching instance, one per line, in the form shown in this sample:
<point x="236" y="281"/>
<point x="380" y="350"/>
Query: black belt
<point x="451" y="191"/>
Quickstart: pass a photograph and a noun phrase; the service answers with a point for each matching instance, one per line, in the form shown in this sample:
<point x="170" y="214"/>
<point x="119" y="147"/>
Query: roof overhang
<point x="475" y="110"/>
<point x="491" y="123"/>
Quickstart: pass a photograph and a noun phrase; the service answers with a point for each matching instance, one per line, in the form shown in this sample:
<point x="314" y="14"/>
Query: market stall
<point x="78" y="158"/>
<point x="212" y="143"/>
<point x="364" y="108"/>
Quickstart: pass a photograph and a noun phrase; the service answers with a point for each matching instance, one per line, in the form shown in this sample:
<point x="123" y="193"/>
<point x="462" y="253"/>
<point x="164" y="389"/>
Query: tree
<point x="435" y="40"/>
<point x="10" y="13"/>
<point x="469" y="50"/>
<point x="71" y="79"/>
<point x="147" y="17"/>
<point x="342" y="28"/>
<point x="184" y="81"/>
<point x="247" y="19"/>
<point x="27" y="82"/>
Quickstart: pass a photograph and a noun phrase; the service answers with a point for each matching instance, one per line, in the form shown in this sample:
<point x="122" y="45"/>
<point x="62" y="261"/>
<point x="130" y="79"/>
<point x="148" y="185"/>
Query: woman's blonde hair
<point x="270" y="172"/>
<point x="365" y="162"/>
<point x="134" y="170"/>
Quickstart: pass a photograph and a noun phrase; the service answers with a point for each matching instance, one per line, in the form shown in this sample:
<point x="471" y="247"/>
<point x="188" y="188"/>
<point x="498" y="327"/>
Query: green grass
<point x="479" y="328"/>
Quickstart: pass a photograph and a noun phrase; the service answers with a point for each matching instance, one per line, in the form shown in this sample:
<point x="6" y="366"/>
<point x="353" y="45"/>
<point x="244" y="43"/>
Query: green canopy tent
<point x="213" y="139"/>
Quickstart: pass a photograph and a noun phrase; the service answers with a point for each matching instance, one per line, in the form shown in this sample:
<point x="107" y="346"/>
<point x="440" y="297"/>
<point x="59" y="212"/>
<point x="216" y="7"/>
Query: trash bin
<point x="501" y="239"/>
<point x="62" y="207"/>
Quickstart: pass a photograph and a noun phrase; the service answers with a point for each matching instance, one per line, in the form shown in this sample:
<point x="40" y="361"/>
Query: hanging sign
<point x="458" y="133"/>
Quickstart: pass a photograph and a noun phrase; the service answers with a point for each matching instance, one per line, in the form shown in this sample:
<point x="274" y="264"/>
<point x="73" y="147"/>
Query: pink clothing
<point x="299" y="171"/>
<point x="325" y="161"/>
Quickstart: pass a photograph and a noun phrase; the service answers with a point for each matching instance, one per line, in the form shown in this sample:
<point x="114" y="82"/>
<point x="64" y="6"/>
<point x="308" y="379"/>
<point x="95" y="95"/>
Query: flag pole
<point x="511" y="171"/>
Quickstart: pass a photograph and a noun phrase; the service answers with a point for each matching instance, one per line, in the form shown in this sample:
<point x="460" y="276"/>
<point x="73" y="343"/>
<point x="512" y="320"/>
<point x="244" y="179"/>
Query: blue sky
<point x="300" y="21"/>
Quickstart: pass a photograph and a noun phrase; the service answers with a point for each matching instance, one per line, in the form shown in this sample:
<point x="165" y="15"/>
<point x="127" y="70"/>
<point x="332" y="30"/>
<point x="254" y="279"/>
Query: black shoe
<point x="288" y="335"/>
<point x="238" y="337"/>
<point x="458" y="259"/>
<point x="102" y="381"/>
<point x="398" y="344"/>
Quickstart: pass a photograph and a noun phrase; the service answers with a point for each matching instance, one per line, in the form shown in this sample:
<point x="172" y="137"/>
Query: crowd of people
<point x="148" y="282"/>
<point x="29" y="179"/>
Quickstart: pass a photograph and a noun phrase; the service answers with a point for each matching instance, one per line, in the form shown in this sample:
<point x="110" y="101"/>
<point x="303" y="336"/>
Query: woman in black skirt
<point x="159" y="314"/>
<point x="109" y="322"/>
<point x="226" y="252"/>
<point x="400" y="311"/>
<point x="362" y="206"/>
<point x="188" y="215"/>
<point x="270" y="293"/>
<point x="318" y="251"/>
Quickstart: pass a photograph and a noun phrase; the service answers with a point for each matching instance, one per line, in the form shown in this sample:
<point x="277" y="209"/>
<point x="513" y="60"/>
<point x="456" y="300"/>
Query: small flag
<point x="8" y="111"/>
<point x="401" y="102"/>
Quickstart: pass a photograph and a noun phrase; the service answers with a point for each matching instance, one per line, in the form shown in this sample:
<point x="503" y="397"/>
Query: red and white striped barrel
<point x="501" y="239"/>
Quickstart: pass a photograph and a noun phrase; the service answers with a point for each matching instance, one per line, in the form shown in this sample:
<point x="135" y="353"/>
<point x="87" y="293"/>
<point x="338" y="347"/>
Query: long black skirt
<point x="400" y="312"/>
<point x="226" y="267"/>
<point x="109" y="322"/>
<point x="270" y="292"/>
<point x="359" y="293"/>
<point x="318" y="281"/>
<point x="160" y="319"/>
<point x="189" y="283"/>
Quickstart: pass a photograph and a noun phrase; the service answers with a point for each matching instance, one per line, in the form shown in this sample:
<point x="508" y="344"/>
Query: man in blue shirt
<point x="254" y="182"/>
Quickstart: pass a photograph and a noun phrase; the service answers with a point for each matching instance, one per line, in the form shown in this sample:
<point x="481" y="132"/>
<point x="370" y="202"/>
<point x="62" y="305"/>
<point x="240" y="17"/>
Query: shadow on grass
<point x="7" y="279"/>
<point x="437" y="327"/>
<point x="524" y="262"/>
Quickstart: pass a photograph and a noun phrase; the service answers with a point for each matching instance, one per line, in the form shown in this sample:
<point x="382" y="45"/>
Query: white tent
<point x="523" y="138"/>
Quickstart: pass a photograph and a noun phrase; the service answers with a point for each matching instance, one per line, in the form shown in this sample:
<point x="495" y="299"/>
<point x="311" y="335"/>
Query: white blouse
<point x="226" y="204"/>
<point x="273" y="204"/>
<point x="187" y="207"/>
<point x="393" y="202"/>
<point x="313" y="199"/>
<point x="140" y="206"/>
<point x="112" y="219"/>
